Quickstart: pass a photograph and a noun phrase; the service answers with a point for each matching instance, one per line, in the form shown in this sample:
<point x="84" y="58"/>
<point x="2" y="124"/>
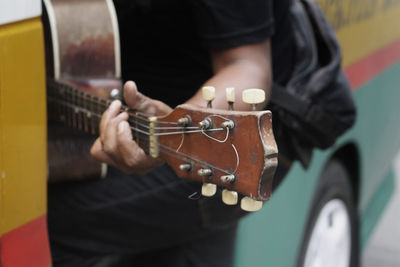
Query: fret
<point x="137" y="127"/>
<point x="141" y="139"/>
<point x="93" y="119"/>
<point x="84" y="102"/>
<point x="67" y="108"/>
<point x="73" y="109"/>
<point x="103" y="105"/>
<point x="98" y="108"/>
<point x="76" y="109"/>
<point x="61" y="108"/>
<point x="79" y="113"/>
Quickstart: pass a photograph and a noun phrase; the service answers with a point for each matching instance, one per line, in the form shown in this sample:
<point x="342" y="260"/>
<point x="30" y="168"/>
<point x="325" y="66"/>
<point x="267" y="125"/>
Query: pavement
<point x="383" y="249"/>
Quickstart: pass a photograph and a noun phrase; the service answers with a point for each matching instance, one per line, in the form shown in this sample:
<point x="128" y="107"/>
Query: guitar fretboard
<point x="81" y="110"/>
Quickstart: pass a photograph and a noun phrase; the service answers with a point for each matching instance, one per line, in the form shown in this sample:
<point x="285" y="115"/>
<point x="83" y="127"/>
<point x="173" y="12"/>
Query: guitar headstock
<point x="233" y="149"/>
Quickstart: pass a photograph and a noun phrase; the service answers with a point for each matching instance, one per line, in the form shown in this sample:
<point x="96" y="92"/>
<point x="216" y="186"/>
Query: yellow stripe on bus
<point x="23" y="160"/>
<point x="363" y="26"/>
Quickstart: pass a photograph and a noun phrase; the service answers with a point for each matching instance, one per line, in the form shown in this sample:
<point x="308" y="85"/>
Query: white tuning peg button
<point x="208" y="94"/>
<point x="253" y="96"/>
<point x="230" y="97"/>
<point x="230" y="94"/>
<point x="229" y="197"/>
<point x="208" y="190"/>
<point x="249" y="204"/>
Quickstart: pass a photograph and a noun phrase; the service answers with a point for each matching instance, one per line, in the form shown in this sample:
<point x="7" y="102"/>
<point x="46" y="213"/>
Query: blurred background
<point x="383" y="249"/>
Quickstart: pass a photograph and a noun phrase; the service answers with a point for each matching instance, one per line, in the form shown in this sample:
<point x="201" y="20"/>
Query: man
<point x="171" y="49"/>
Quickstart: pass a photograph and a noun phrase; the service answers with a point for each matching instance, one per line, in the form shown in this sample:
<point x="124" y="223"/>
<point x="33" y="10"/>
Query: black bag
<point x="316" y="105"/>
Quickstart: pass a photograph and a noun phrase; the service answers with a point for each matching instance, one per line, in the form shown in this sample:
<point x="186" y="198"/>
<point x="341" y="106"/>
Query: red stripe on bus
<point x="27" y="246"/>
<point x="1" y="257"/>
<point x="371" y="66"/>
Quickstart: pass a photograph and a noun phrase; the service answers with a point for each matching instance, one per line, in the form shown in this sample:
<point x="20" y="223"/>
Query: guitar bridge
<point x="153" y="139"/>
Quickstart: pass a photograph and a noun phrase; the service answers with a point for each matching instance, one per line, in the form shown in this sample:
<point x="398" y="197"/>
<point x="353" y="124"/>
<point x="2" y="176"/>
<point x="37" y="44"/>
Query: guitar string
<point x="104" y="103"/>
<point x="196" y="129"/>
<point x="130" y="113"/>
<point x="168" y="133"/>
<point x="176" y="154"/>
<point x="143" y="118"/>
<point x="183" y="156"/>
<point x="76" y="109"/>
<point x="199" y="130"/>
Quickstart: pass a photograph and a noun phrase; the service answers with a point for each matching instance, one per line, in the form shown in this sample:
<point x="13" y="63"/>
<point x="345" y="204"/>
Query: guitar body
<point x="82" y="51"/>
<point x="85" y="38"/>
<point x="83" y="44"/>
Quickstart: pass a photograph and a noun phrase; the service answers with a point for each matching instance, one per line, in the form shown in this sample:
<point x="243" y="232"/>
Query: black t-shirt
<point x="165" y="44"/>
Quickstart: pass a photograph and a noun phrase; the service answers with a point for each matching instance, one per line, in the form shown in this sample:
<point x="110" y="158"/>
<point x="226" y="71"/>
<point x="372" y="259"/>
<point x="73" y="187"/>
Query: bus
<point x="23" y="159"/>
<point x="323" y="214"/>
<point x="307" y="222"/>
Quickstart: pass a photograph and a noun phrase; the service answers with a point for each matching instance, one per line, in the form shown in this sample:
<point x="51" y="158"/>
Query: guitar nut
<point x="185" y="167"/>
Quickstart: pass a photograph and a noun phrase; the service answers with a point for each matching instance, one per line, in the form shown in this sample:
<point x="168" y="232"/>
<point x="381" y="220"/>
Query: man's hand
<point x="242" y="67"/>
<point x="115" y="146"/>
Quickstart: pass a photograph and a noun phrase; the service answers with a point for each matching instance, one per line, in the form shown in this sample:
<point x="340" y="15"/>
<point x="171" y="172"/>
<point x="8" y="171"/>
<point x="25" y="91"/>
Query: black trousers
<point x="127" y="219"/>
<point x="150" y="220"/>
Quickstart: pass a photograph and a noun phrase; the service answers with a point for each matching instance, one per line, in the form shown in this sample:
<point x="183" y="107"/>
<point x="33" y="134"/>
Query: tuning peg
<point x="208" y="190"/>
<point x="185" y="167"/>
<point x="253" y="97"/>
<point x="230" y="97"/>
<point x="208" y="94"/>
<point x="229" y="197"/>
<point x="249" y="204"/>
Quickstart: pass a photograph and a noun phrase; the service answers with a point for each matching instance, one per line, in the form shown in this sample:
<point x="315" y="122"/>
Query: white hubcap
<point x="330" y="240"/>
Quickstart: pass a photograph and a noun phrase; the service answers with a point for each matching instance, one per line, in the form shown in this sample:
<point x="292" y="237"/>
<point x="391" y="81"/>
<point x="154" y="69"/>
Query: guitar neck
<point x="82" y="110"/>
<point x="233" y="149"/>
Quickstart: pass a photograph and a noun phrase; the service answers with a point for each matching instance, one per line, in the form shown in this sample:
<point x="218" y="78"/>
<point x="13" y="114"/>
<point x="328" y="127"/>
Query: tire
<point x="331" y="236"/>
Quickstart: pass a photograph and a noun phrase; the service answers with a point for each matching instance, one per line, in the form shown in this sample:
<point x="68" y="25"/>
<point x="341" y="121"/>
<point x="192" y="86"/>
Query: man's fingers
<point x="131" y="95"/>
<point x="137" y="101"/>
<point x="129" y="157"/>
<point x="133" y="155"/>
<point x="110" y="113"/>
<point x="115" y="145"/>
<point x="97" y="152"/>
<point x="109" y="134"/>
<point x="128" y="148"/>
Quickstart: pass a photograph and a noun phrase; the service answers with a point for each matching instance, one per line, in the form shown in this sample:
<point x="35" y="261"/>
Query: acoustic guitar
<point x="232" y="149"/>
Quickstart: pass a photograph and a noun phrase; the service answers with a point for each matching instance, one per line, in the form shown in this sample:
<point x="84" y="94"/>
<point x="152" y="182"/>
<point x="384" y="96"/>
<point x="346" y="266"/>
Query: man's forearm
<point x="240" y="68"/>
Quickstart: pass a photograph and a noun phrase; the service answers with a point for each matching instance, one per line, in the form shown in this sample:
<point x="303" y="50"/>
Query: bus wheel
<point x="331" y="237"/>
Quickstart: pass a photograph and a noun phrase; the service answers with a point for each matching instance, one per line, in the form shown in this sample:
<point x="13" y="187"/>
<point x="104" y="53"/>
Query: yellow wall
<point x="22" y="124"/>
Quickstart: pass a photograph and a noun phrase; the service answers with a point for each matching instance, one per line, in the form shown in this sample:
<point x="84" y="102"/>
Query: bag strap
<point x="306" y="111"/>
